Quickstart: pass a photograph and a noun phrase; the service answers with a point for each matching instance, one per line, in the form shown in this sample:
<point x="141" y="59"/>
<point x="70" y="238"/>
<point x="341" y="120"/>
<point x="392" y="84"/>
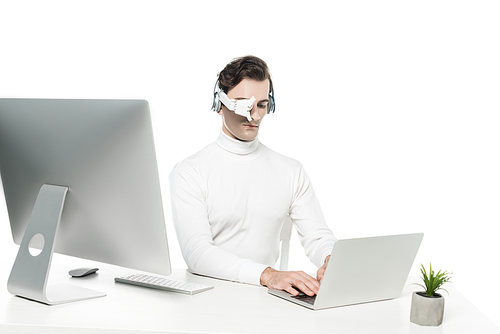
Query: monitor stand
<point x="30" y="273"/>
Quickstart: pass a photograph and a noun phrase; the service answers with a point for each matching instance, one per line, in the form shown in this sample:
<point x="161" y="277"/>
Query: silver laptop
<point x="362" y="270"/>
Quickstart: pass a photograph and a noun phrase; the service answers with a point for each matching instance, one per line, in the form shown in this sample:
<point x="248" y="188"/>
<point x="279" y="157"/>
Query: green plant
<point x="433" y="281"/>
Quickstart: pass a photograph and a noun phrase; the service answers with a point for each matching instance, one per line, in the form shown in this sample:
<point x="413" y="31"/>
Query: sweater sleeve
<point x="314" y="233"/>
<point x="193" y="230"/>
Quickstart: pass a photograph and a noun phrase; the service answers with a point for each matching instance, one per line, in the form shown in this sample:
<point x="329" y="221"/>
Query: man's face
<point x="238" y="127"/>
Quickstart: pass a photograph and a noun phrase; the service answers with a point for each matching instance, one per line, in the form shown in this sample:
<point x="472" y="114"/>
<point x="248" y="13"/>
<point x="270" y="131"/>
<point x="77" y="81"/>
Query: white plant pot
<point x="427" y="311"/>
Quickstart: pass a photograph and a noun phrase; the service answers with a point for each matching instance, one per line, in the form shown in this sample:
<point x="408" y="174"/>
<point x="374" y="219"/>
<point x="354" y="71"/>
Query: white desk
<point x="229" y="308"/>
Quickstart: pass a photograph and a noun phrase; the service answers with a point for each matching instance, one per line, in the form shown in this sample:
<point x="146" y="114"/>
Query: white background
<point x="392" y="106"/>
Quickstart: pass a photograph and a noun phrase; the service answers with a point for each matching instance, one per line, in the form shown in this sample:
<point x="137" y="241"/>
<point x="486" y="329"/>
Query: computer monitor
<point x="87" y="170"/>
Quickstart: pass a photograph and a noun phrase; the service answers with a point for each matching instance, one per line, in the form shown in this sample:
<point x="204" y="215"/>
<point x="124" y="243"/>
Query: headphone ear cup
<point x="216" y="103"/>
<point x="272" y="105"/>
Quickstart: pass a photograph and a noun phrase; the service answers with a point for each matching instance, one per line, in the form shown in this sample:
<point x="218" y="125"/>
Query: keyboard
<point x="305" y="298"/>
<point x="160" y="283"/>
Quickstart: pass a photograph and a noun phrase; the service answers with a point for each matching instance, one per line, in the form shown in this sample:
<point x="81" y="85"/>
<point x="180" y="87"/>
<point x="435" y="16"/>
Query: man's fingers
<point x="310" y="281"/>
<point x="305" y="289"/>
<point x="290" y="281"/>
<point x="321" y="273"/>
<point x="304" y="282"/>
<point x="295" y="288"/>
<point x="291" y="290"/>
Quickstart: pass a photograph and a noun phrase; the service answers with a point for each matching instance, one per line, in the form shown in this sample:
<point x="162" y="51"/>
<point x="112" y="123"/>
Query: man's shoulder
<point x="195" y="160"/>
<point x="281" y="158"/>
<point x="204" y="153"/>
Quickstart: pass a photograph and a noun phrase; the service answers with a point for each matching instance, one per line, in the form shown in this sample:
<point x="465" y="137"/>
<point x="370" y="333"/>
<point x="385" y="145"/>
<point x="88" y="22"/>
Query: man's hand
<point x="290" y="281"/>
<point x="321" y="271"/>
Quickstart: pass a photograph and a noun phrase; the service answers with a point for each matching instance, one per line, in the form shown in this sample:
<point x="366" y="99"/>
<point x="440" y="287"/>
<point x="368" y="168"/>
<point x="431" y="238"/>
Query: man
<point x="229" y="200"/>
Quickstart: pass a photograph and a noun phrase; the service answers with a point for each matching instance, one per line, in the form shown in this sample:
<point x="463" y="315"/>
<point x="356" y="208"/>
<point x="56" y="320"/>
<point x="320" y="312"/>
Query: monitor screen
<point x="103" y="152"/>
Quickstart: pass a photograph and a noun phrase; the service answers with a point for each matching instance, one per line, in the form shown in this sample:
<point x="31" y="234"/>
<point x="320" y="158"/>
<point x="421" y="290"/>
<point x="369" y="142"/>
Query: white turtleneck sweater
<point x="229" y="202"/>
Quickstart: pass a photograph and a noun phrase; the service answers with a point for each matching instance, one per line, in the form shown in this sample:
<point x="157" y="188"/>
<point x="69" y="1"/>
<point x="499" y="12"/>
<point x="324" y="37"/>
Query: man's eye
<point x="262" y="105"/>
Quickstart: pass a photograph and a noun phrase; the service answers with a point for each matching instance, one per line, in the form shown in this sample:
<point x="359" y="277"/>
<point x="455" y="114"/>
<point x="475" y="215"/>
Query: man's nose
<point x="254" y="113"/>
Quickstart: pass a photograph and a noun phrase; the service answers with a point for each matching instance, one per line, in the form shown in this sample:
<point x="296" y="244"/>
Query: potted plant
<point x="427" y="307"/>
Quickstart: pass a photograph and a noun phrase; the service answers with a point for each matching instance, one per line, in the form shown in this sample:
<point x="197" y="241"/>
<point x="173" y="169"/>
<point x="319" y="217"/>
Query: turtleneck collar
<point x="237" y="146"/>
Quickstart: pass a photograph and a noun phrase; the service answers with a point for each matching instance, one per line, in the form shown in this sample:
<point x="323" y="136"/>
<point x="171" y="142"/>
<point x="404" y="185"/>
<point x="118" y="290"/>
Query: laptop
<point x="362" y="270"/>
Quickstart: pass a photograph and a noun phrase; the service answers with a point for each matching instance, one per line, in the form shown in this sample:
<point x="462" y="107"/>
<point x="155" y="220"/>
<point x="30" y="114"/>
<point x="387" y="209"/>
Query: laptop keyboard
<point x="305" y="298"/>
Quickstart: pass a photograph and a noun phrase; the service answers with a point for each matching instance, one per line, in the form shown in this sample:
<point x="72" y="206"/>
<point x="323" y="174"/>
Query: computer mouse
<point x="81" y="272"/>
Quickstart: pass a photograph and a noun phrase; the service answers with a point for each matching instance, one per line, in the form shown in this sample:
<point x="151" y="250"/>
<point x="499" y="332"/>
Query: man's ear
<point x="220" y="111"/>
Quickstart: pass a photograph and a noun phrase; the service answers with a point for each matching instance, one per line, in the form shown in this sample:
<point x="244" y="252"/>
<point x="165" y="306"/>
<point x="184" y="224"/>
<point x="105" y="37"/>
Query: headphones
<point x="217" y="104"/>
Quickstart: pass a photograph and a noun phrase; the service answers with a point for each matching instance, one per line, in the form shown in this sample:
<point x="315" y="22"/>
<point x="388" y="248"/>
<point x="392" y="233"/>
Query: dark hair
<point x="249" y="67"/>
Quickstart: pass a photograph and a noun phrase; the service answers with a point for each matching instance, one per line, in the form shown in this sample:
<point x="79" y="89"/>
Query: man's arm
<point x="315" y="236"/>
<point x="307" y="216"/>
<point x="195" y="236"/>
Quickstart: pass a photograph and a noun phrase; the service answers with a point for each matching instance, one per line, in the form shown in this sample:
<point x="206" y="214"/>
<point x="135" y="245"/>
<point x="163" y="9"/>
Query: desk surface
<point x="229" y="308"/>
